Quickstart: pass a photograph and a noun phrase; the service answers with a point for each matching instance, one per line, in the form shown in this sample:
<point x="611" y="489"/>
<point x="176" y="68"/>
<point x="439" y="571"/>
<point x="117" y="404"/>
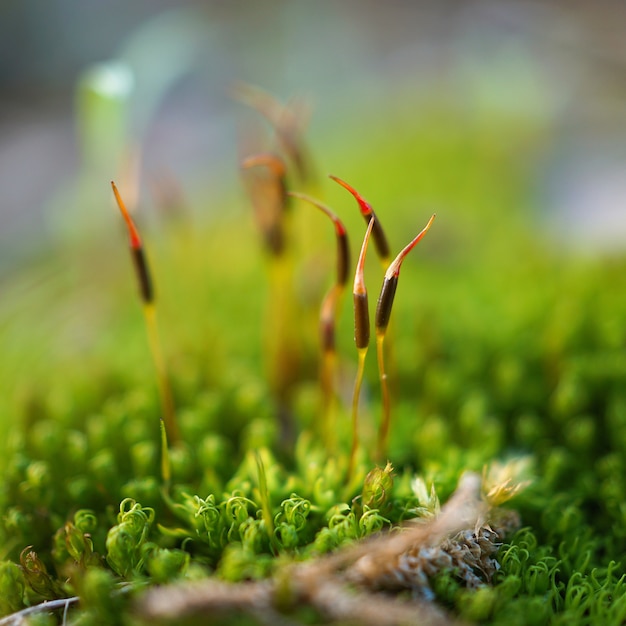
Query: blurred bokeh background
<point x="80" y="80"/>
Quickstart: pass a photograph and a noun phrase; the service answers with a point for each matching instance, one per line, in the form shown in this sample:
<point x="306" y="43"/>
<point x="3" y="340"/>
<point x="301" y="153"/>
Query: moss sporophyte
<point x="266" y="484"/>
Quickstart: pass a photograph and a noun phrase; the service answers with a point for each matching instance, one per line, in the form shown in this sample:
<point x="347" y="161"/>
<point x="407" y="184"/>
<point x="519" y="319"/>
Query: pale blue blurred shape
<point x="160" y="53"/>
<point x="116" y="103"/>
<point x="103" y="97"/>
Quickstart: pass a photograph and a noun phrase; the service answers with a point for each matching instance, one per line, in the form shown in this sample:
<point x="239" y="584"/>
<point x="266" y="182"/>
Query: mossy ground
<point x="502" y="347"/>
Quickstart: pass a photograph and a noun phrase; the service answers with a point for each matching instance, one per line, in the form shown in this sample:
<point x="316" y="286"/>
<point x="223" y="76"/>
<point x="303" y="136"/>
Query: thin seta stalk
<point x="265" y="177"/>
<point x="166" y="465"/>
<point x="146" y="292"/>
<point x="362" y="340"/>
<point x="264" y="497"/>
<point x="329" y="312"/>
<point x="380" y="241"/>
<point x="381" y="322"/>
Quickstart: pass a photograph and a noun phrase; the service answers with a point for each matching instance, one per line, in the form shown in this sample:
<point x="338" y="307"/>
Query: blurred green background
<point x="506" y="118"/>
<point x="548" y="77"/>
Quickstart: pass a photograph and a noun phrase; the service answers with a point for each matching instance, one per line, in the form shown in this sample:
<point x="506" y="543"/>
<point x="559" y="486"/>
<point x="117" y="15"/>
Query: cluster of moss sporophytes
<point x="236" y="490"/>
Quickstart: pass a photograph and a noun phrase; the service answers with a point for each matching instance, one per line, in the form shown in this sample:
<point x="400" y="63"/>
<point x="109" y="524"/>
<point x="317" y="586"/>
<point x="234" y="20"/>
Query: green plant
<point x="487" y="364"/>
<point x="146" y="292"/>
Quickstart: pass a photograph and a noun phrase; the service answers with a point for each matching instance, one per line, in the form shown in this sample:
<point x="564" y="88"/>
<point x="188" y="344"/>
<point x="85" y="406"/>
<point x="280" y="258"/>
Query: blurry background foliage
<point x="507" y="119"/>
<point x="485" y="112"/>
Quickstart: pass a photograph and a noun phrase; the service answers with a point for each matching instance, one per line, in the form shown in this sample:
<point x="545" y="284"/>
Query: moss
<point x="498" y="347"/>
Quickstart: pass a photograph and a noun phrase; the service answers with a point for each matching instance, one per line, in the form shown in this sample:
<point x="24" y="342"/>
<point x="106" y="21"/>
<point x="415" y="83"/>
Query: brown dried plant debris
<point x="357" y="584"/>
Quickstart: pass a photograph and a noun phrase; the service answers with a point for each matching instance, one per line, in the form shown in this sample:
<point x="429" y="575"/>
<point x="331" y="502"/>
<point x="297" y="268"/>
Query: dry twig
<point x="348" y="586"/>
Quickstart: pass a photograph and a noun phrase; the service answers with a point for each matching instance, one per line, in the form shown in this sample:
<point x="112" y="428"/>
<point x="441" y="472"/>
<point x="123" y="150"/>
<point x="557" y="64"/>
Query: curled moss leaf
<point x="236" y="510"/>
<point x="286" y="536"/>
<point x="371" y="521"/>
<point x="73" y="547"/>
<point x="125" y="541"/>
<point x="85" y="520"/>
<point x="208" y="514"/>
<point x="377" y="487"/>
<point x="294" y="511"/>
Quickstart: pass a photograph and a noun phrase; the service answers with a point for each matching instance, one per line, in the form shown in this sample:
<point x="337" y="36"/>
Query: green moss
<point x="498" y="346"/>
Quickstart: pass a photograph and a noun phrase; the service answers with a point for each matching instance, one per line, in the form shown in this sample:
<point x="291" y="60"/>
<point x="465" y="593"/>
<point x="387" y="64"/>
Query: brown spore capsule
<point x="268" y="192"/>
<point x="146" y="289"/>
<point x="385" y="302"/>
<point x="343" y="257"/>
<point x="361" y="321"/>
<point x="359" y="291"/>
<point x="327" y="333"/>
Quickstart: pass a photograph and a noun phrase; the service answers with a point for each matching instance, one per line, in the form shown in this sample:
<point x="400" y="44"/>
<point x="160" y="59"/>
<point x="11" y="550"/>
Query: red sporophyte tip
<point x="378" y="234"/>
<point x="395" y="265"/>
<point x="364" y="205"/>
<point x="133" y="233"/>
